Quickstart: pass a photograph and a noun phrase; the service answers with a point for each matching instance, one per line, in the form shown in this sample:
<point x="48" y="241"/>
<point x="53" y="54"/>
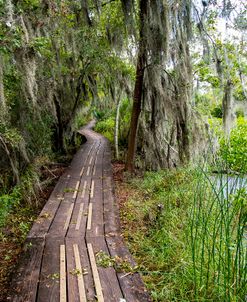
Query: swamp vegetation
<point x="167" y="83"/>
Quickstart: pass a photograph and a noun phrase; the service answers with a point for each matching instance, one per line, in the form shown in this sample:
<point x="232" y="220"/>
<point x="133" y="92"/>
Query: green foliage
<point x="22" y="193"/>
<point x="81" y="119"/>
<point x="39" y="134"/>
<point x="106" y="123"/>
<point x="217" y="112"/>
<point x="204" y="102"/>
<point x="206" y="74"/>
<point x="217" y="222"/>
<point x="239" y="93"/>
<point x="188" y="251"/>
<point x="29" y="5"/>
<point x="42" y="45"/>
<point x="106" y="128"/>
<point x="234" y="150"/>
<point x="7" y="201"/>
<point x="11" y="136"/>
<point x="157" y="222"/>
<point x="125" y="117"/>
<point x="29" y="184"/>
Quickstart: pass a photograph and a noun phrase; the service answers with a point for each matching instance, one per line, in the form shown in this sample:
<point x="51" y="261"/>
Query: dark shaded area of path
<point x="74" y="251"/>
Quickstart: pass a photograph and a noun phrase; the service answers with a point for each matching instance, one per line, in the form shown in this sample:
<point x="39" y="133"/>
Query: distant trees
<point x="55" y="58"/>
<point x="58" y="57"/>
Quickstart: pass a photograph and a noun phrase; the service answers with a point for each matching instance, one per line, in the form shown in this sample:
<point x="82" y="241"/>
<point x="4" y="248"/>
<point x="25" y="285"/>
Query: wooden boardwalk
<point x="74" y="251"/>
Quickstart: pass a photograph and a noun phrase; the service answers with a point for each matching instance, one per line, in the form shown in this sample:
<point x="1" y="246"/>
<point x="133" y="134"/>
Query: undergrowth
<point x="18" y="210"/>
<point x="187" y="233"/>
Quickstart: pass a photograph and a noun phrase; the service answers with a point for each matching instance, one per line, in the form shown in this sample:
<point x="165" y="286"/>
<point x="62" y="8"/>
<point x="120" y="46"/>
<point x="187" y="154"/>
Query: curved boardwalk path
<point x="69" y="250"/>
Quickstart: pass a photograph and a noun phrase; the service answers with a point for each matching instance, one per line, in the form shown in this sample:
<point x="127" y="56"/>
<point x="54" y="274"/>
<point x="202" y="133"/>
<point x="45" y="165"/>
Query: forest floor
<point x="18" y="224"/>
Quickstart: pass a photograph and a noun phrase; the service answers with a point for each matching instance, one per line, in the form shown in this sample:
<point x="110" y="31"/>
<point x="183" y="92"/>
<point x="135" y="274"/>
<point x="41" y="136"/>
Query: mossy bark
<point x="171" y="134"/>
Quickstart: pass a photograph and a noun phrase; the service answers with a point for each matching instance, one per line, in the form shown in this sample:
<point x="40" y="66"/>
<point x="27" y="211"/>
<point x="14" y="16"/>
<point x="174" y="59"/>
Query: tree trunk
<point x="117" y="127"/>
<point x="227" y="105"/>
<point x="136" y="110"/>
<point x="59" y="143"/>
<point x="170" y="133"/>
<point x="2" y="97"/>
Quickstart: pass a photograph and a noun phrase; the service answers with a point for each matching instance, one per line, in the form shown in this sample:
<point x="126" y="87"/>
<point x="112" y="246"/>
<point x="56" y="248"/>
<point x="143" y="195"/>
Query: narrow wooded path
<point x="70" y="249"/>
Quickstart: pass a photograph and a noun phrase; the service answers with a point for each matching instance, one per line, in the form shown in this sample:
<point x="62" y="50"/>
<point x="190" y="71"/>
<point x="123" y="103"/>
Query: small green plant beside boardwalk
<point x="186" y="230"/>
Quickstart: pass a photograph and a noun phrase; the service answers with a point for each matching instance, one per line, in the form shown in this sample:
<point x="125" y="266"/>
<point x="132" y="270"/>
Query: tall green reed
<point x="218" y="241"/>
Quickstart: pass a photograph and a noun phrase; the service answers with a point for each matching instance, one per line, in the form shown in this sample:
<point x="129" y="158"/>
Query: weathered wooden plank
<point x="41" y="226"/>
<point x="133" y="288"/>
<point x="49" y="287"/>
<point x="77" y="227"/>
<point x="79" y="267"/>
<point x="58" y="190"/>
<point x="69" y="214"/>
<point x="62" y="219"/>
<point x="90" y="213"/>
<point x="25" y="282"/>
<point x="79" y="217"/>
<point x="131" y="283"/>
<point x="83" y="192"/>
<point x="97" y="171"/>
<point x="71" y="190"/>
<point x="98" y="287"/>
<point x="81" y="285"/>
<point x="76" y="189"/>
<point x="111" y="210"/>
<point x="96" y="199"/>
<point x="107" y="275"/>
<point x="63" y="291"/>
<point x="107" y="169"/>
<point x="92" y="189"/>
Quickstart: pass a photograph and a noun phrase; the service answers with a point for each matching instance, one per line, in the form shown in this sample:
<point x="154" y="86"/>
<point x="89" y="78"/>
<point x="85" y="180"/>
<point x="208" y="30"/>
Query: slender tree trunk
<point x="2" y="97"/>
<point x="227" y="105"/>
<point x="59" y="143"/>
<point x="117" y="127"/>
<point x="136" y="110"/>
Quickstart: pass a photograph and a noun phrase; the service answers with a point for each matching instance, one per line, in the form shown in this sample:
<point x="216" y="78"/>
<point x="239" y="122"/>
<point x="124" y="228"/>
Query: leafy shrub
<point x="106" y="127"/>
<point x="39" y="134"/>
<point x="217" y="112"/>
<point x="7" y="201"/>
<point x="106" y="124"/>
<point x="234" y="150"/>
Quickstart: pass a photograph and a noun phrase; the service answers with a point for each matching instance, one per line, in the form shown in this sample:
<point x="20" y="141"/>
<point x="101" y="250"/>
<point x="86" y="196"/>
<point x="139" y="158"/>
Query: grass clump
<point x="187" y="233"/>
